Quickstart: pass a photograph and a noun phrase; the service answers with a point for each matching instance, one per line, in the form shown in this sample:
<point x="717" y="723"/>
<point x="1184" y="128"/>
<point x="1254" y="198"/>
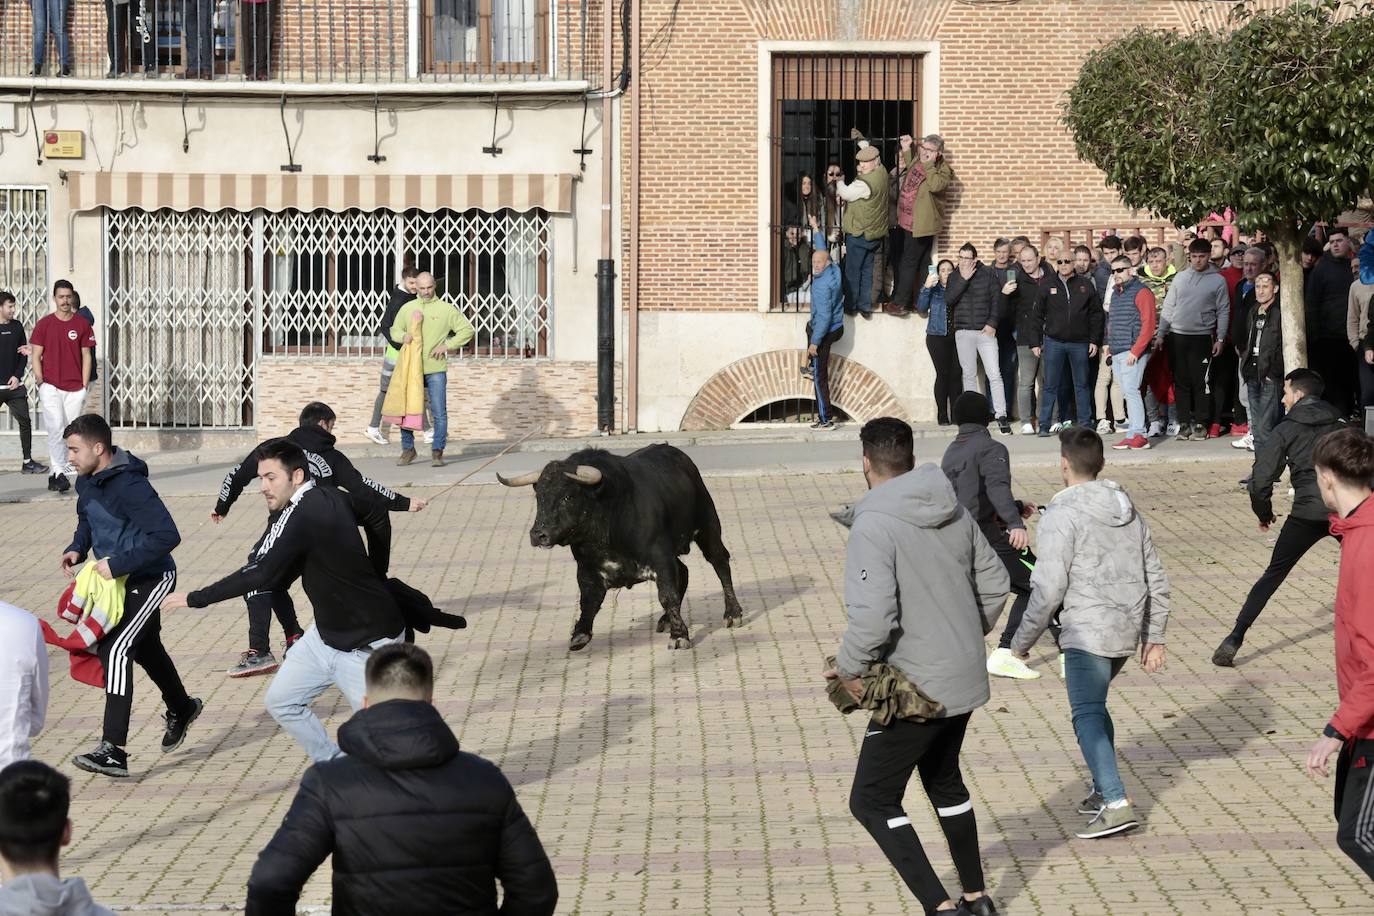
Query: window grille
<point x="817" y="100"/>
<point x="24" y="268"/>
<point x="488" y="37"/>
<point x="791" y="410"/>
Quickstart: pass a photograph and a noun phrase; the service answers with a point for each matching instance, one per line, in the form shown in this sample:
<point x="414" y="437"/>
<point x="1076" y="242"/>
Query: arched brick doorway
<point x="749" y="383"/>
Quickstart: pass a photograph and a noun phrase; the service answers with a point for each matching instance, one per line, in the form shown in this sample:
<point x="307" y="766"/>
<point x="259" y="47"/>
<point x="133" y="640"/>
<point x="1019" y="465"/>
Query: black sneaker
<point x="1225" y="656"/>
<point x="106" y="760"/>
<point x="823" y="424"/>
<point x="58" y="483"/>
<point x="1004" y="425"/>
<point x="983" y="906"/>
<point x="32" y="467"/>
<point x="177" y="725"/>
<point x="808" y="372"/>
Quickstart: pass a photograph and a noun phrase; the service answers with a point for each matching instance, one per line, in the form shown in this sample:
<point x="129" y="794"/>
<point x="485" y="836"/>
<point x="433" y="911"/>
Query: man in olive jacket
<point x="920" y="213"/>
<point x="865" y="226"/>
<point x="415" y="825"/>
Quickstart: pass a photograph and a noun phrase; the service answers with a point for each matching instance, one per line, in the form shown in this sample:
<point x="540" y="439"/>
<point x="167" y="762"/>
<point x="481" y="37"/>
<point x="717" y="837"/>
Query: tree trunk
<point x="1289" y="245"/>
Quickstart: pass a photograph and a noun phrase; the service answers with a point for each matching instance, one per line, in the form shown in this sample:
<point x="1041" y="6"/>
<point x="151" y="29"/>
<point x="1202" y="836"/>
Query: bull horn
<point x="523" y="480"/>
<point x="586" y="474"/>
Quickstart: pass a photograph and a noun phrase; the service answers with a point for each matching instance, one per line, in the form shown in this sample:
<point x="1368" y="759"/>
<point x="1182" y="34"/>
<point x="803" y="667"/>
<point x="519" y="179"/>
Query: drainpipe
<point x="632" y="281"/>
<point x="605" y="267"/>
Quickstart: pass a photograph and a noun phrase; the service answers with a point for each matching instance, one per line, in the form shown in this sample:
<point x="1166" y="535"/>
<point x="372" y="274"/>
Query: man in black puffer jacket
<point x="415" y="825"/>
<point x="1290" y="442"/>
<point x="976" y="301"/>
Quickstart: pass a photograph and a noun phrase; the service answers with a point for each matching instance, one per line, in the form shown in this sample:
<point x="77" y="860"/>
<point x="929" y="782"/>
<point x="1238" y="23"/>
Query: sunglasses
<point x="1064" y="261"/>
<point x="1122" y="270"/>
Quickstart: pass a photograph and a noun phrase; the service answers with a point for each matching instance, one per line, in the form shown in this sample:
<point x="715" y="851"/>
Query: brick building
<point x="236" y="238"/>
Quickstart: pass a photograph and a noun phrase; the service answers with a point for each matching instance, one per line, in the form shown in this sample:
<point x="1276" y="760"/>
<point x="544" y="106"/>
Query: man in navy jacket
<point x="121" y="521"/>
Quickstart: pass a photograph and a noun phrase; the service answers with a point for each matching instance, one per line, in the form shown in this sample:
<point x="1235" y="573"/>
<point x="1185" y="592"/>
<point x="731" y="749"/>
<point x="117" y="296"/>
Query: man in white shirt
<point x="23" y="682"/>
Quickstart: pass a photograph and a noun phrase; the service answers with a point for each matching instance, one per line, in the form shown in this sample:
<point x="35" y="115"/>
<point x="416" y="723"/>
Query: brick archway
<point x="747" y="384"/>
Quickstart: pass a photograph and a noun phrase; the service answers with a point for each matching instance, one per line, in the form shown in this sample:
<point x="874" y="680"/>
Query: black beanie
<point x="972" y="407"/>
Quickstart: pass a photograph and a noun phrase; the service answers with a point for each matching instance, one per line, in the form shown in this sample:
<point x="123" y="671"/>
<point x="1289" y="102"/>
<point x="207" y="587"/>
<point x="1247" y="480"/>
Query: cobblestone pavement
<point x="715" y="780"/>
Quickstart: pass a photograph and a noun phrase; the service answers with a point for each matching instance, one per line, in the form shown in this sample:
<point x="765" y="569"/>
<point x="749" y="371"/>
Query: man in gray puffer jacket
<point x="923" y="587"/>
<point x="1097" y="560"/>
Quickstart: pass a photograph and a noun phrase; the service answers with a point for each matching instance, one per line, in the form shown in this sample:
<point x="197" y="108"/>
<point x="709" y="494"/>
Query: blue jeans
<point x="1054" y="355"/>
<point x="1129" y="379"/>
<point x="50" y="15"/>
<point x="309" y="669"/>
<point x="197" y="29"/>
<point x="857" y="274"/>
<point x="1265" y="409"/>
<point x="436" y="394"/>
<point x="1087" y="678"/>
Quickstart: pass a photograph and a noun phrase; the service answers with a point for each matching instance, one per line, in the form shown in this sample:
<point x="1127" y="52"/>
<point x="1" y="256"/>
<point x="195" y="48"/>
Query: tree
<point x="1269" y="115"/>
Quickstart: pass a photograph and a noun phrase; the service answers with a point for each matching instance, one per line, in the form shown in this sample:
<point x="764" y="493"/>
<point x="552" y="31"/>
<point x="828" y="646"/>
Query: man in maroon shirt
<point x="61" y="346"/>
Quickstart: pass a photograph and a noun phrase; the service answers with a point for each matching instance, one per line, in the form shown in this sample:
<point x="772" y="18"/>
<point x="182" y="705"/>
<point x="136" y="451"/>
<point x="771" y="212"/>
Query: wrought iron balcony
<point x="349" y="42"/>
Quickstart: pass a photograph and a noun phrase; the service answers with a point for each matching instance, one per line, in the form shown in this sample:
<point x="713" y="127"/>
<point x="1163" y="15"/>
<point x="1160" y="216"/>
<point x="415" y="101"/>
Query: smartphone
<point x="931" y="270"/>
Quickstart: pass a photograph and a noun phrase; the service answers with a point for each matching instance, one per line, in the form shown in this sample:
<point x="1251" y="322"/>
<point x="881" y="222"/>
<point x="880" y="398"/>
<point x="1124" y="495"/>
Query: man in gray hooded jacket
<point x="1096" y="560"/>
<point x="922" y="587"/>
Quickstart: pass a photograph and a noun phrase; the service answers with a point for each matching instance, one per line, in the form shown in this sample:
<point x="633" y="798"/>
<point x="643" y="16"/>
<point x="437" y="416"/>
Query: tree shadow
<point x="1287" y="642"/>
<point x="527" y="405"/>
<point x="1040" y="832"/>
<point x="540" y="760"/>
<point x="470" y="605"/>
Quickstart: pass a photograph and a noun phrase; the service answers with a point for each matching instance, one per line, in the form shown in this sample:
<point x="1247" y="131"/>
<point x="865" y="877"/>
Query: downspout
<point x="605" y="267"/>
<point x="632" y="269"/>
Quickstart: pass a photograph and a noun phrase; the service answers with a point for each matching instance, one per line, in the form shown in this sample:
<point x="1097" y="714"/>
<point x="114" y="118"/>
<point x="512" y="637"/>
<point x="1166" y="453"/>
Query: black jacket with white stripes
<point x="315" y="536"/>
<point x="328" y="466"/>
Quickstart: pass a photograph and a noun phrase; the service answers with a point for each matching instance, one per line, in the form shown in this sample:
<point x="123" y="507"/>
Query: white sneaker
<point x="1057" y="427"/>
<point x="1027" y="429"/>
<point x="1172" y="429"/>
<point x="1003" y="664"/>
<point x="375" y="435"/>
<point x="1104" y="427"/>
<point x="428" y="436"/>
<point x="1154" y="431"/>
<point x="1245" y="441"/>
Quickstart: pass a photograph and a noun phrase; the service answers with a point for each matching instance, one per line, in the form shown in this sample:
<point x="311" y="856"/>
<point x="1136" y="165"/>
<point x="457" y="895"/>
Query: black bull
<point x="627" y="520"/>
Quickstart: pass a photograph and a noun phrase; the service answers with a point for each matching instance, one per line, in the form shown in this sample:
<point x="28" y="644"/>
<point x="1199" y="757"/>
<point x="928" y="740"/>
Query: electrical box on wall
<point x="8" y="116"/>
<point x="64" y="144"/>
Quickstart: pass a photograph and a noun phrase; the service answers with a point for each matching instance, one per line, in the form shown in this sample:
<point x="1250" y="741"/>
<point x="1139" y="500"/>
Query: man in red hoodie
<point x="1345" y="470"/>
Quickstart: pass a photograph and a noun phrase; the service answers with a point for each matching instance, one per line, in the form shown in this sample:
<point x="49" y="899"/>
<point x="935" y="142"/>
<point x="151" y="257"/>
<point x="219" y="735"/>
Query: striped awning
<point x="287" y="191"/>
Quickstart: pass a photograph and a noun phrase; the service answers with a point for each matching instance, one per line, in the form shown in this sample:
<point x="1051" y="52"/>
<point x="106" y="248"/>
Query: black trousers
<point x="1365" y="373"/>
<point x="1334" y="359"/>
<point x="915" y="255"/>
<point x="820" y="373"/>
<point x="1225" y="382"/>
<point x="1355" y="803"/>
<point x="261" y="605"/>
<point x="138" y="638"/>
<point x="949" y="379"/>
<point x="1017" y="566"/>
<point x="17" y="400"/>
<point x="375" y="519"/>
<point x="886" y="760"/>
<point x="1296" y="537"/>
<point x="128" y="26"/>
<point x="1189" y="358"/>
<point x="255" y="20"/>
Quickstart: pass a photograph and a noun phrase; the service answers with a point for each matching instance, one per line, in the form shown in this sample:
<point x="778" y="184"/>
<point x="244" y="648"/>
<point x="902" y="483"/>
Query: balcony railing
<point x="296" y="41"/>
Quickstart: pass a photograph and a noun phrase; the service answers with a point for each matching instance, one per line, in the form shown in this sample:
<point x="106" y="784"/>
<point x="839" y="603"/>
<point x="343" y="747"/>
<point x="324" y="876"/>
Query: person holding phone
<point x="920" y="212"/>
<point x="944" y="355"/>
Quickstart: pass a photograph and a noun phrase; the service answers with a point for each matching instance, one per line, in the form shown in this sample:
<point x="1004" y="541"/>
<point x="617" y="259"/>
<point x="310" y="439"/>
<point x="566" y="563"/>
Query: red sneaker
<point x="1214" y="431"/>
<point x="1240" y="429"/>
<point x="1139" y="442"/>
<point x="1126" y="443"/>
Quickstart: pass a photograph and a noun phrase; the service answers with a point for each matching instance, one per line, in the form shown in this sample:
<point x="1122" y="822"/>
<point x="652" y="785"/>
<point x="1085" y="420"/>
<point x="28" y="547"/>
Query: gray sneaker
<point x="1092" y="804"/>
<point x="1109" y="821"/>
<point x="254" y="662"/>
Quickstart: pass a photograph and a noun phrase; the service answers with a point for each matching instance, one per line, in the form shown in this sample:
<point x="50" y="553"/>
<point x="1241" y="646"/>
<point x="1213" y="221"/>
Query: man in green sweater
<point x="865" y="226"/>
<point x="443" y="329"/>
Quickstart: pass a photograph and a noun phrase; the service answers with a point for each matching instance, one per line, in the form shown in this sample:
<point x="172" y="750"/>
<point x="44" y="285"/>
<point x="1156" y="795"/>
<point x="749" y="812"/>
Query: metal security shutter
<point x="24" y="269"/>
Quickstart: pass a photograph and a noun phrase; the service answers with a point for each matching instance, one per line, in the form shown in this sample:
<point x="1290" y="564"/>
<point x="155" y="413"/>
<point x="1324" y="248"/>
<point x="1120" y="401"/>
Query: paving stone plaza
<point x="715" y="780"/>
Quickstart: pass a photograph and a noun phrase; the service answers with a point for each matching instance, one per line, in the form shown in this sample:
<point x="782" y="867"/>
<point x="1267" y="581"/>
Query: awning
<point x="287" y="191"/>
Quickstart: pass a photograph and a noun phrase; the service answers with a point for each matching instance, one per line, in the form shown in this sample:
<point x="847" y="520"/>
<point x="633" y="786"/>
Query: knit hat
<point x="867" y="154"/>
<point x="972" y="407"/>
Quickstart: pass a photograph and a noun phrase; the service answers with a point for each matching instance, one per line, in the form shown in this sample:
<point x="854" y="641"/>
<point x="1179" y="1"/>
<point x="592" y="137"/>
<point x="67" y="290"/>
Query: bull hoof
<point x="734" y="620"/>
<point x="662" y="624"/>
<point x="579" y="641"/>
<point x="679" y="642"/>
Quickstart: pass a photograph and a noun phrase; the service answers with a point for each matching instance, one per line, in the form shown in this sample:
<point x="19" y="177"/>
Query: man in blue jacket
<point x="826" y="325"/>
<point x="121" y="520"/>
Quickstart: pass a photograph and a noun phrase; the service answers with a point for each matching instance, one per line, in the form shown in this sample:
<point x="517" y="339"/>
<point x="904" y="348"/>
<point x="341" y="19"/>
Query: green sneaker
<point x="1109" y="821"/>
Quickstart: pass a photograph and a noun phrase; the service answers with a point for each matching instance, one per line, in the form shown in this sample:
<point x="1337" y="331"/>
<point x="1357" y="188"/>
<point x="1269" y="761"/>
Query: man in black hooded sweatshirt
<point x="1289" y="443"/>
<point x="328" y="466"/>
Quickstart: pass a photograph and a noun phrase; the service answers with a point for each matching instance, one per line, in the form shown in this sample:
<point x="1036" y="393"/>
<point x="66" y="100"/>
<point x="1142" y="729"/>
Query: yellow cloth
<point x="404" y="405"/>
<point x="96" y="605"/>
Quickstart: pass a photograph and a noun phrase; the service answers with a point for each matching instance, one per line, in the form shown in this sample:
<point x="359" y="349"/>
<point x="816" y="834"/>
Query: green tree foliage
<point x="1271" y="115"/>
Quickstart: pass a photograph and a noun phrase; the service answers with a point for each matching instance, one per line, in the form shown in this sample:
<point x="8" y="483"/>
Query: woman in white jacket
<point x="23" y="682"/>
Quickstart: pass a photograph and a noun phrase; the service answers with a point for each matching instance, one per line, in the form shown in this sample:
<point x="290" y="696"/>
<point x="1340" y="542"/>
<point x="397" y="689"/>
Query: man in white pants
<point x="23" y="682"/>
<point x="61" y="346"/>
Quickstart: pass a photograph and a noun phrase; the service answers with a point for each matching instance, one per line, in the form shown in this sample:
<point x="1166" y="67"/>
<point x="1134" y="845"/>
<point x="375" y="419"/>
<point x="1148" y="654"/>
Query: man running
<point x="121" y="520"/>
<point x="928" y="621"/>
<point x="314" y="534"/>
<point x="1290" y="443"/>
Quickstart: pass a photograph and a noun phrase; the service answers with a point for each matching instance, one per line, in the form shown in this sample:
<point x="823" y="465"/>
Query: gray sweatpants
<point x="974" y="346"/>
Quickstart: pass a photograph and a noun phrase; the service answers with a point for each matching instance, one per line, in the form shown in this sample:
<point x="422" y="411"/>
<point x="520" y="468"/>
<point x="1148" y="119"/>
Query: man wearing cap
<point x="865" y="226"/>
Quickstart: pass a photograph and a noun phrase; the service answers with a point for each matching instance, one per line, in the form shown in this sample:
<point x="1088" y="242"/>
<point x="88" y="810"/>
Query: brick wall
<point x="1004" y="71"/>
<point x="485" y="400"/>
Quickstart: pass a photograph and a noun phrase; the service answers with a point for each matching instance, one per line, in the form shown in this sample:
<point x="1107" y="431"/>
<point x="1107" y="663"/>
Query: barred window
<point x="485" y="36"/>
<point x="817" y="100"/>
<point x="24" y="266"/>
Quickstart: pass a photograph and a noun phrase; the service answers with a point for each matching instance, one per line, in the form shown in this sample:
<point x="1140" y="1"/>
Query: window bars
<point x="24" y="269"/>
<point x="817" y="100"/>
